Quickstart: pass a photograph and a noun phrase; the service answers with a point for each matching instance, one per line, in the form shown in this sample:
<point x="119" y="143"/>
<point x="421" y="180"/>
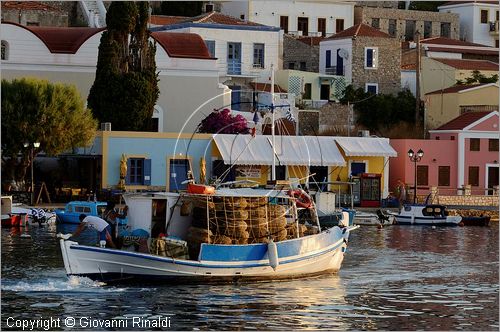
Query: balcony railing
<point x="494" y="28"/>
<point x="335" y="70"/>
<point x="313" y="104"/>
<point x="234" y="67"/>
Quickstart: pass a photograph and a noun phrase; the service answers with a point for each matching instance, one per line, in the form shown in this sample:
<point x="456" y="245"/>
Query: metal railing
<point x="313" y="104"/>
<point x="335" y="70"/>
<point x="234" y="67"/>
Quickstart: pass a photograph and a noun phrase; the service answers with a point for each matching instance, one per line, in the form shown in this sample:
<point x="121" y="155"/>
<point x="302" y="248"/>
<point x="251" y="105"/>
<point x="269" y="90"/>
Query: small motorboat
<point x="36" y="216"/>
<point x="476" y="220"/>
<point x="9" y="218"/>
<point x="372" y="219"/>
<point x="434" y="215"/>
<point x="71" y="213"/>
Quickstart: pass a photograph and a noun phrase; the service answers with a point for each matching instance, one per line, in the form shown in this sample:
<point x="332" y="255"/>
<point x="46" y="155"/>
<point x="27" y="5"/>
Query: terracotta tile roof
<point x="218" y="18"/>
<point x="182" y="45"/>
<point x="464" y="64"/>
<point x="493" y="51"/>
<point x="410" y="66"/>
<point x="456" y="88"/>
<point x="313" y="41"/>
<point x="449" y="41"/>
<point x="28" y="5"/>
<point x="360" y="29"/>
<point x="166" y="20"/>
<point x="463" y="121"/>
<point x="61" y="39"/>
<point x="267" y="87"/>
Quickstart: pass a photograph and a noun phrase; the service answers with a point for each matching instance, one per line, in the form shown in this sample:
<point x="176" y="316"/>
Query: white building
<point x="244" y="50"/>
<point x="478" y="20"/>
<point x="188" y="79"/>
<point x="306" y="18"/>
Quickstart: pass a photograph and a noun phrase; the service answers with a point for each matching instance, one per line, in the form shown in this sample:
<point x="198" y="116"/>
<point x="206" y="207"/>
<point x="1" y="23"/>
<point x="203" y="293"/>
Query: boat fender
<point x="272" y="253"/>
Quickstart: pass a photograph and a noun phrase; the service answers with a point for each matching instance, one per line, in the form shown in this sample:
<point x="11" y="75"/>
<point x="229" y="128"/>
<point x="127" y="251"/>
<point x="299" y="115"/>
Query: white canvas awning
<point x="307" y="150"/>
<point x="366" y="146"/>
<point x="244" y="149"/>
<point x="290" y="150"/>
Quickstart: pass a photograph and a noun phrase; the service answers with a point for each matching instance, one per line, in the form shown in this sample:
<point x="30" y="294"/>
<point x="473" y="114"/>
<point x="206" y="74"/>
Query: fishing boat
<point x="435" y="215"/>
<point x="231" y="235"/>
<point x="72" y="211"/>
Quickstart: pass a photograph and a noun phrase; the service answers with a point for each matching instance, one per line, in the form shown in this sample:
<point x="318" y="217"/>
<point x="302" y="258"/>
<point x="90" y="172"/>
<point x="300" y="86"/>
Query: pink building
<point x="461" y="152"/>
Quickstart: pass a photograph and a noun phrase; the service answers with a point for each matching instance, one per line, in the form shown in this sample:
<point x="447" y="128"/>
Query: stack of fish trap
<point x="238" y="220"/>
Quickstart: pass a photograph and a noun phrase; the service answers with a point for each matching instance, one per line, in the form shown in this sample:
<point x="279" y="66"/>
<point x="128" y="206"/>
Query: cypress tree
<point x="125" y="89"/>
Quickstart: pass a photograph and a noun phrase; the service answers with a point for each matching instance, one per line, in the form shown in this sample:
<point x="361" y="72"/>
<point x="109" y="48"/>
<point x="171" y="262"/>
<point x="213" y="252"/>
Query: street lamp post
<point x="32" y="147"/>
<point x="415" y="158"/>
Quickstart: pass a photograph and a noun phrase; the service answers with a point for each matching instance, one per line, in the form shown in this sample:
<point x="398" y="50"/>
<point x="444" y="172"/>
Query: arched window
<point x="5" y="50"/>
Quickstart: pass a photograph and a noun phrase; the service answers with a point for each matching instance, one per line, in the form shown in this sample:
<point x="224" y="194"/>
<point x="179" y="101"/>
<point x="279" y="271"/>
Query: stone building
<point x="404" y="23"/>
<point x="301" y="53"/>
<point x="367" y="57"/>
<point x="378" y="4"/>
<point x="31" y="13"/>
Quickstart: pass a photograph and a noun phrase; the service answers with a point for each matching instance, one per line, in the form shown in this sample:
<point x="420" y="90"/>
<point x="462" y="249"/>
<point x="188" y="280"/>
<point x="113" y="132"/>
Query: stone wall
<point x="334" y="119"/>
<point x="366" y="14"/>
<point x="22" y="197"/>
<point x="296" y="51"/>
<point x="36" y="17"/>
<point x="308" y="122"/>
<point x="388" y="73"/>
<point x="463" y="200"/>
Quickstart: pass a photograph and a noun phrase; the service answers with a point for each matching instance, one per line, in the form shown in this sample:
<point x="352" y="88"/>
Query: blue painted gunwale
<point x="293" y="251"/>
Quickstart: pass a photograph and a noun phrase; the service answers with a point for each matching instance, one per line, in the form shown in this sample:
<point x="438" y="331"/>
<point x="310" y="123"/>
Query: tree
<point x="478" y="77"/>
<point x="125" y="89"/>
<point x="34" y="110"/>
<point x="381" y="113"/>
<point x="222" y="122"/>
<point x="429" y="6"/>
<point x="181" y="8"/>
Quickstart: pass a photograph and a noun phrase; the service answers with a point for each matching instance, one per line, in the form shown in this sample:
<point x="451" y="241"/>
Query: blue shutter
<point x="147" y="172"/>
<point x="369" y="58"/>
<point x="129" y="167"/>
<point x="328" y="59"/>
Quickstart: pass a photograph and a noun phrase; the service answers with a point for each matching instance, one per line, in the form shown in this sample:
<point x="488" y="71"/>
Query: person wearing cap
<point x="110" y="215"/>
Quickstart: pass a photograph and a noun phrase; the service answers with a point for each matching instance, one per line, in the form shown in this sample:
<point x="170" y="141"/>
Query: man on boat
<point x="97" y="224"/>
<point x="110" y="215"/>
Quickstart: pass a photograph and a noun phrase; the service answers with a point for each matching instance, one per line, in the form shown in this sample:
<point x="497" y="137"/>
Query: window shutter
<point x="129" y="168"/>
<point x="147" y="172"/>
<point x="328" y="59"/>
<point x="369" y="58"/>
<point x="375" y="59"/>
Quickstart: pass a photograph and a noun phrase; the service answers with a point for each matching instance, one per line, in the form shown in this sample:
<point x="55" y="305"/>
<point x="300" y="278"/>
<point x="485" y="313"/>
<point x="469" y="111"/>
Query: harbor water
<point x="396" y="278"/>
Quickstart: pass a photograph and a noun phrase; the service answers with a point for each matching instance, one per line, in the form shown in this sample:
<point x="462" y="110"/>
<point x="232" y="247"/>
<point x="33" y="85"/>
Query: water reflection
<point x="397" y="278"/>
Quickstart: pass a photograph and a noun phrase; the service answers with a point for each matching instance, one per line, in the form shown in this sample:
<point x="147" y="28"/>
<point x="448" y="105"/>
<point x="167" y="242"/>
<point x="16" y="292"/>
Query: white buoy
<point x="26" y="236"/>
<point x="272" y="253"/>
<point x="433" y="227"/>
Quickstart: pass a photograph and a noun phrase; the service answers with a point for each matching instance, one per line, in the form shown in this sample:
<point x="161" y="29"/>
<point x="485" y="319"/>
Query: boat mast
<point x="273" y="169"/>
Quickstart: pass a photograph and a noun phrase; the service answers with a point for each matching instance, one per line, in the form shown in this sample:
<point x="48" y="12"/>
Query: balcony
<point x="233" y="67"/>
<point x="335" y="70"/>
<point x="310" y="104"/>
<point x="494" y="28"/>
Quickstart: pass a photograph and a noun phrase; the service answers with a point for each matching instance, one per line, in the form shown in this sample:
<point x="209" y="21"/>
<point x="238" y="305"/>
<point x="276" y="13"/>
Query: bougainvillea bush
<point x="222" y="122"/>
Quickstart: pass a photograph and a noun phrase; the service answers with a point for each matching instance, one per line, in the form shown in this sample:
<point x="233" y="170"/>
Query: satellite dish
<point x="343" y="53"/>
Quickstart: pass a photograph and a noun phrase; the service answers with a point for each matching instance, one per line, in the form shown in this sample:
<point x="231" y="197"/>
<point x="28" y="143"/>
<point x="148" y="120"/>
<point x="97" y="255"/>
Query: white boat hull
<point x="372" y="220"/>
<point x="112" y="265"/>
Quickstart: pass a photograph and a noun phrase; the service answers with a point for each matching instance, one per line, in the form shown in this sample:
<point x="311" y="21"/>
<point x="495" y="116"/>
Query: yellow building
<point x="438" y="74"/>
<point x="444" y="105"/>
<point x="330" y="159"/>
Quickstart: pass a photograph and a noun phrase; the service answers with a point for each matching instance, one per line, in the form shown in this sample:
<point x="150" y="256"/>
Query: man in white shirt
<point x="97" y="224"/>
